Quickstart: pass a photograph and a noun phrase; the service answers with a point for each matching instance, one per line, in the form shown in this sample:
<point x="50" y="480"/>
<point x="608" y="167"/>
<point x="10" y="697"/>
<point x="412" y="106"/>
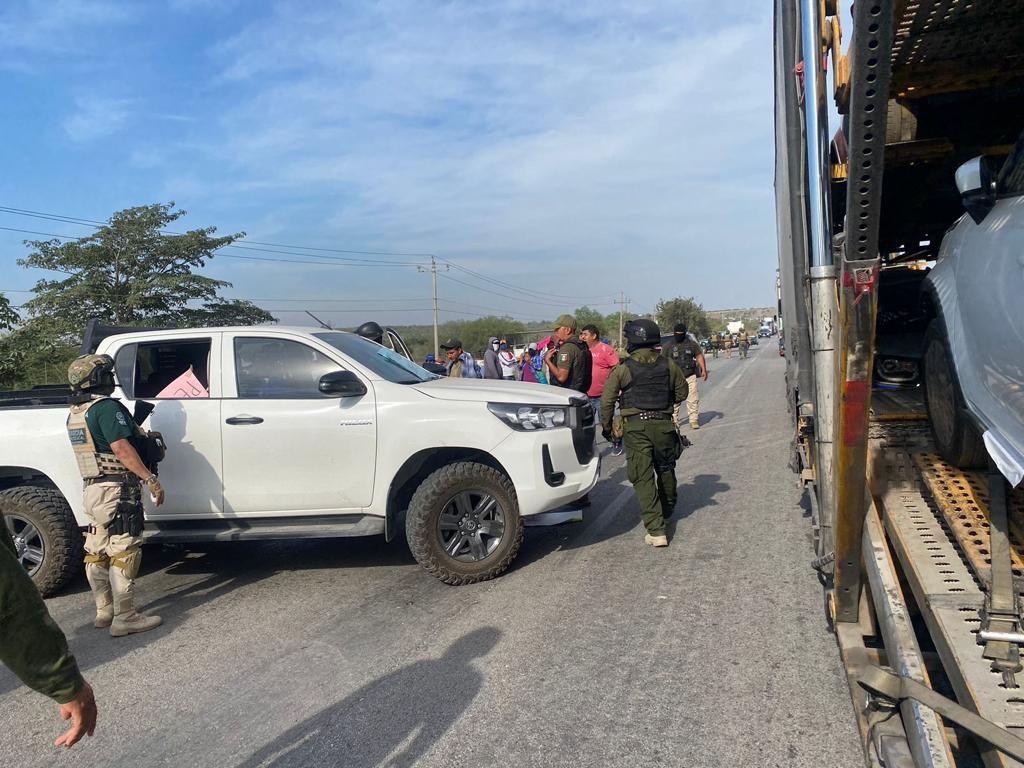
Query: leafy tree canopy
<point x="680" y="310"/>
<point x="128" y="272"/>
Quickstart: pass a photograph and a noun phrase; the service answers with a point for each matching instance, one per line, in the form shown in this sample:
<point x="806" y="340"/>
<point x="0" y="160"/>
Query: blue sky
<point x="574" y="149"/>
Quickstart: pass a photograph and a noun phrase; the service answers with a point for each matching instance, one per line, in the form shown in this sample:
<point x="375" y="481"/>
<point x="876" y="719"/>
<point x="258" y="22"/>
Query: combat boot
<point x="127" y="621"/>
<point x="656" y="541"/>
<point x="98" y="576"/>
<point x="694" y="424"/>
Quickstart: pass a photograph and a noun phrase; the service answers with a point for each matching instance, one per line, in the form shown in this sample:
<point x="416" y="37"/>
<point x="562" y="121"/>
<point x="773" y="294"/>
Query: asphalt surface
<point x="594" y="650"/>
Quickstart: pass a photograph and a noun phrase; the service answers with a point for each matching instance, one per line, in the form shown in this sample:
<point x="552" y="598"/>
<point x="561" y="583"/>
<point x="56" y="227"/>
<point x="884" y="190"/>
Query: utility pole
<point x="623" y="303"/>
<point x="433" y="280"/>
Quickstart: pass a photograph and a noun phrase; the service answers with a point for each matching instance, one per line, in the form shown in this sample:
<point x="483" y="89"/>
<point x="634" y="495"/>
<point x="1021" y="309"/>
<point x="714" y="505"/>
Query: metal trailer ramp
<point x="948" y="594"/>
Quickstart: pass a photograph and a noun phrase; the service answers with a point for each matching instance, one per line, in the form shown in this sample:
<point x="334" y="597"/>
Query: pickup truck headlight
<point x="527" y="418"/>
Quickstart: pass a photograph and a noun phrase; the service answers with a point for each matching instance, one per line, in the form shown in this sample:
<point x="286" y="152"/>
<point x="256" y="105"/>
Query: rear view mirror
<point x="976" y="180"/>
<point x="341" y="384"/>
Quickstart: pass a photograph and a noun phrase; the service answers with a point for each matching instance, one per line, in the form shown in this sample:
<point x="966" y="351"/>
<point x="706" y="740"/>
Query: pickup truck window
<point x="279" y="369"/>
<point x="384" y="362"/>
<point x="168" y="370"/>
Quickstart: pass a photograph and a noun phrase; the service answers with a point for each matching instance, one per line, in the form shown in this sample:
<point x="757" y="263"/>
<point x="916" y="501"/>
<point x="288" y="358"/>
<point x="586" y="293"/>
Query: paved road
<point x="593" y="651"/>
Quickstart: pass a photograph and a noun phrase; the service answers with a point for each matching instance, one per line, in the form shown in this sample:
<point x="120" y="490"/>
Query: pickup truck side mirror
<point x="341" y="384"/>
<point x="976" y="180"/>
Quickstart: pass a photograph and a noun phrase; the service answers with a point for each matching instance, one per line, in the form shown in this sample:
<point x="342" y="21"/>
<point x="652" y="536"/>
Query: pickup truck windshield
<point x="381" y="360"/>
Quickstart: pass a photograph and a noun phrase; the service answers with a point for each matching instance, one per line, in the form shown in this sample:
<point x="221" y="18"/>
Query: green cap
<point x="565" y="321"/>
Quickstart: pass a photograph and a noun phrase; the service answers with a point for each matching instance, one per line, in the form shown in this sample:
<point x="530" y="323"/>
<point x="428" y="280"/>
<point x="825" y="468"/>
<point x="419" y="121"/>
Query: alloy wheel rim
<point x="29" y="547"/>
<point x="471" y="526"/>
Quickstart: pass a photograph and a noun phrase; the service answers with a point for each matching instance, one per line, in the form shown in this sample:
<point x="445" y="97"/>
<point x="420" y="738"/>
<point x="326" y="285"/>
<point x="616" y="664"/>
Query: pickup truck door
<point x="288" y="449"/>
<point x="173" y="373"/>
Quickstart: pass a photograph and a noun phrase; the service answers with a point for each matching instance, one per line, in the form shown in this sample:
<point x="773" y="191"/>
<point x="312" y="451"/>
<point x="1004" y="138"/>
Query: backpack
<point x="583" y="369"/>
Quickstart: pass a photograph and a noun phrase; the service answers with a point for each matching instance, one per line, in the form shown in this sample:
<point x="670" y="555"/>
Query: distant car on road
<point x="974" y="346"/>
<point x="764" y="332"/>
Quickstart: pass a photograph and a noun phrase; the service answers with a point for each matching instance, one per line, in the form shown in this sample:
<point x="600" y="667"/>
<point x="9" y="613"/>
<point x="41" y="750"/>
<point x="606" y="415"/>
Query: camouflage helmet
<point x="91" y="371"/>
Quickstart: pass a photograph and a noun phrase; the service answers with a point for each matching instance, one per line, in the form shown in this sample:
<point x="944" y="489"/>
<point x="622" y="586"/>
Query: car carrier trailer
<point x="922" y="563"/>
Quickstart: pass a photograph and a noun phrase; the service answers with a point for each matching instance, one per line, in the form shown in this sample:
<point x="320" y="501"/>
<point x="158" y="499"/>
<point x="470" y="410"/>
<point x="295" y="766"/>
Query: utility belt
<point x="118" y="478"/>
<point x="648" y="416"/>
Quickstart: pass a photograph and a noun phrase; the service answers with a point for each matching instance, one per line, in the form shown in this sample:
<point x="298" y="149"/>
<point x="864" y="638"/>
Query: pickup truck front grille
<point x="583" y="422"/>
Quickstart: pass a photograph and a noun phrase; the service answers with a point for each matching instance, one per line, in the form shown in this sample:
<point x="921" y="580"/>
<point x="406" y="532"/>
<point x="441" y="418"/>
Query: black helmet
<point x="642" y="333"/>
<point x="371" y="331"/>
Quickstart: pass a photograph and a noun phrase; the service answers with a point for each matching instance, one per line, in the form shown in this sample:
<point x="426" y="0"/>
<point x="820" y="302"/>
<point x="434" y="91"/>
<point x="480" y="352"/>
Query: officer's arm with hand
<point x="703" y="366"/>
<point x="128" y="456"/>
<point x="559" y="374"/>
<point x="33" y="647"/>
<point x="677" y="379"/>
<point x="609" y="395"/>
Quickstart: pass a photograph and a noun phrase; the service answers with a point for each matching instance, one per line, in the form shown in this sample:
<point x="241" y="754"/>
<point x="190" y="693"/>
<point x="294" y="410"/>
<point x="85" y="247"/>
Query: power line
<point x="250" y="243"/>
<point x="95" y="224"/>
<point x="236" y="255"/>
<point x="505" y="295"/>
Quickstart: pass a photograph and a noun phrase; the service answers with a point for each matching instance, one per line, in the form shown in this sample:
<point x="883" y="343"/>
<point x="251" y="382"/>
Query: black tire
<point x="59" y="537"/>
<point x="440" y="490"/>
<point x="956" y="438"/>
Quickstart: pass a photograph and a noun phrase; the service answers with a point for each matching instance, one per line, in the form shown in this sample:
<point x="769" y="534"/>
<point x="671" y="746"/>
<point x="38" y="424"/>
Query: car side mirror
<point x="976" y="180"/>
<point x="341" y="384"/>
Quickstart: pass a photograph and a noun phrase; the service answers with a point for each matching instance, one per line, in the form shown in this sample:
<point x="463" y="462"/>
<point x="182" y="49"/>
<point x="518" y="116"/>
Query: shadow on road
<point x="708" y="416"/>
<point x="541" y="542"/>
<point x="698" y="494"/>
<point x="392" y="721"/>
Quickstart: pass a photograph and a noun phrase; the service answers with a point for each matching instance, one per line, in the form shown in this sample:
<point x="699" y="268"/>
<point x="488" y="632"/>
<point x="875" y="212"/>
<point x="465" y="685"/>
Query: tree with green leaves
<point x="128" y="272"/>
<point x="8" y="315"/>
<point x="587" y="316"/>
<point x="680" y="310"/>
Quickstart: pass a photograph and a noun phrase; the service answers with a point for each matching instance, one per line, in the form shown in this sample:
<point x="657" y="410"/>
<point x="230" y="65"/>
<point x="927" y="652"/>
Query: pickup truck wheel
<point x="463" y="523"/>
<point x="46" y="537"/>
<point x="955" y="437"/>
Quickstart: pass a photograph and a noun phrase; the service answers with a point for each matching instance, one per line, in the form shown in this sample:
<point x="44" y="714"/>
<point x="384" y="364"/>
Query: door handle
<point x="243" y="420"/>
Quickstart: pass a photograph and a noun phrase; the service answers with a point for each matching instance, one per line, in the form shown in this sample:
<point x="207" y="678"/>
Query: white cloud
<point x="522" y="136"/>
<point x="32" y="31"/>
<point x="97" y="117"/>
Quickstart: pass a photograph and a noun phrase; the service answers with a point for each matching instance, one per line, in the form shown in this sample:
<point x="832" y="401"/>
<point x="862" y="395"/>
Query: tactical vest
<point x="682" y="354"/>
<point x="91" y="463"/>
<point x="650" y="388"/>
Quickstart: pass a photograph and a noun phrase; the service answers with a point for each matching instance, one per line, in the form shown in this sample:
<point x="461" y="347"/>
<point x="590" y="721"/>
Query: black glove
<point x="606" y="434"/>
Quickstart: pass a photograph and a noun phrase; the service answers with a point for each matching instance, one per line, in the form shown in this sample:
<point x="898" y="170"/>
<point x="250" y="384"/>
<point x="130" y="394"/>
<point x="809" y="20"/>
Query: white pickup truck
<point x="297" y="432"/>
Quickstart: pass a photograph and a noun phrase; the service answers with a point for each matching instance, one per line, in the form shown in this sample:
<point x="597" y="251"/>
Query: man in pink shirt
<point x="605" y="358"/>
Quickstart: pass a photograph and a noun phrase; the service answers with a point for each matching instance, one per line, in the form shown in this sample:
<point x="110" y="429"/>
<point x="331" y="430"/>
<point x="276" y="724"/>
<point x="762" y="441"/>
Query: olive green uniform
<point x="31" y="644"/>
<point x="652" y="446"/>
<point x="566" y="356"/>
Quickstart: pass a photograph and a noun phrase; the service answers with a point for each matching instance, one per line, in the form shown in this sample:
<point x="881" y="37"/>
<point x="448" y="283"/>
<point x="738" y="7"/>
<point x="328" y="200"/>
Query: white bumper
<point x="541" y="485"/>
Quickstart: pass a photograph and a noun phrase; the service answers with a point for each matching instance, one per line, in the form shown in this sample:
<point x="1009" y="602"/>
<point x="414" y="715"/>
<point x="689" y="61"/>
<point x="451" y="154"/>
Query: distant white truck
<point x="298" y="432"/>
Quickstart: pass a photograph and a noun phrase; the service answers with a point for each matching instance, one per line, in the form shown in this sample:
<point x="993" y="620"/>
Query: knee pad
<point x="128" y="561"/>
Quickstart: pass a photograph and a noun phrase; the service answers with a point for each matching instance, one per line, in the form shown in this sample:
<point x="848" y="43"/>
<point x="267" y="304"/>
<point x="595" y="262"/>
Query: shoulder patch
<point x="120" y="418"/>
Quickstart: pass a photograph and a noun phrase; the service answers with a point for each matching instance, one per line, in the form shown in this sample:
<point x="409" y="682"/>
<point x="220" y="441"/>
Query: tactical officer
<point x="688" y="355"/>
<point x="647" y="385"/>
<point x="569" y="363"/>
<point x="110" y="447"/>
<point x="372" y="331"/>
